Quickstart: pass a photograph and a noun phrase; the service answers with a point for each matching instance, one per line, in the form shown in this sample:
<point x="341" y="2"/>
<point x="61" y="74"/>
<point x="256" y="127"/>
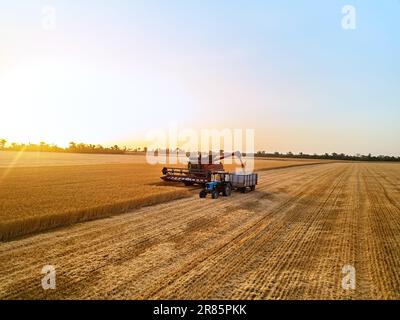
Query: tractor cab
<point x="216" y="178"/>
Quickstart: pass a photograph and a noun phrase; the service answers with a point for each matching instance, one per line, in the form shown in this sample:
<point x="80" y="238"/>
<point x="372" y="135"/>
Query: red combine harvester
<point x="199" y="169"/>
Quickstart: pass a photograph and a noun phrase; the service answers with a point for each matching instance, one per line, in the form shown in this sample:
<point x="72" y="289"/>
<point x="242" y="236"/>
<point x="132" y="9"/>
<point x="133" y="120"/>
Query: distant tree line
<point x="72" y="148"/>
<point x="92" y="148"/>
<point x="332" y="156"/>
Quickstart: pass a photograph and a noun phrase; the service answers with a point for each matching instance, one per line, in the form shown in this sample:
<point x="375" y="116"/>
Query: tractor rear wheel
<point x="203" y="194"/>
<point x="215" y="194"/>
<point x="227" y="190"/>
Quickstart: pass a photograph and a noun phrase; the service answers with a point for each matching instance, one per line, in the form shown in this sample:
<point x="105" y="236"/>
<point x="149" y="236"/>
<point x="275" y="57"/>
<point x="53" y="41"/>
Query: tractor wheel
<point x="227" y="190"/>
<point x="215" y="194"/>
<point x="203" y="194"/>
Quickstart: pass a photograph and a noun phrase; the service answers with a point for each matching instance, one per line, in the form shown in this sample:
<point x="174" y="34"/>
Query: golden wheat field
<point x="36" y="199"/>
<point x="52" y="194"/>
<point x="51" y="159"/>
<point x="289" y="239"/>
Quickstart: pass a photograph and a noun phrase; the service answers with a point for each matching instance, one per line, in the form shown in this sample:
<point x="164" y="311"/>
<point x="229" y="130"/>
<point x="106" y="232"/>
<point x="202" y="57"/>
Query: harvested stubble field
<point x="287" y="240"/>
<point x="39" y="198"/>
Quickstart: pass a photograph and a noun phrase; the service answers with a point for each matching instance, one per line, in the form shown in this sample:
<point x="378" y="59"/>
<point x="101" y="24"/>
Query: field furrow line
<point x="310" y="225"/>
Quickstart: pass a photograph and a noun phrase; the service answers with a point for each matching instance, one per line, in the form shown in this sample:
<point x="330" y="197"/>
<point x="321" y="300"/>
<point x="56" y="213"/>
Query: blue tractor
<point x="218" y="185"/>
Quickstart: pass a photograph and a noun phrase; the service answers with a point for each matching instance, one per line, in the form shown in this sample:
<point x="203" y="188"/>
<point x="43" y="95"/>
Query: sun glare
<point x="28" y="101"/>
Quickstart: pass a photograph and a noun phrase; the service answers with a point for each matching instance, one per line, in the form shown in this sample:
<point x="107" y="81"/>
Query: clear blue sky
<point x="112" y="70"/>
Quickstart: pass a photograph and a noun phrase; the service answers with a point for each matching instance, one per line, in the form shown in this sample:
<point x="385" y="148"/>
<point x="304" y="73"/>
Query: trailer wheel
<point x="188" y="184"/>
<point x="252" y="188"/>
<point x="203" y="194"/>
<point x="215" y="194"/>
<point x="227" y="190"/>
<point x="243" y="190"/>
